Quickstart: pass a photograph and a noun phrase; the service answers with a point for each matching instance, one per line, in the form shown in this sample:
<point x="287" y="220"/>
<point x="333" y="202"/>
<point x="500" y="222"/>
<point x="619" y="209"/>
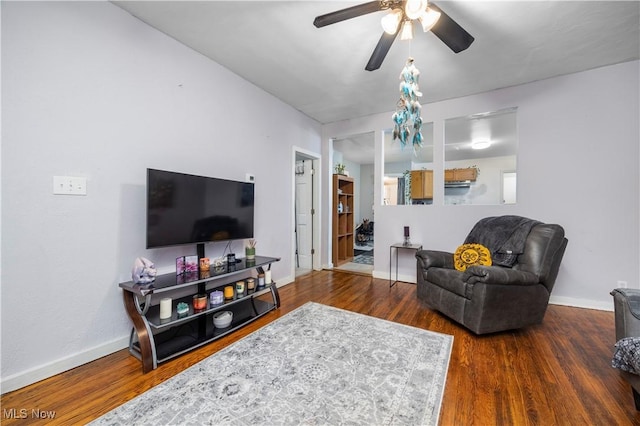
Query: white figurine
<point x="144" y="271"/>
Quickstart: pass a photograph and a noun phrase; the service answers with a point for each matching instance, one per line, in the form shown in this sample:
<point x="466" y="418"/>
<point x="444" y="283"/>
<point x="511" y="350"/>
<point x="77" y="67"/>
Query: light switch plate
<point x="69" y="185"/>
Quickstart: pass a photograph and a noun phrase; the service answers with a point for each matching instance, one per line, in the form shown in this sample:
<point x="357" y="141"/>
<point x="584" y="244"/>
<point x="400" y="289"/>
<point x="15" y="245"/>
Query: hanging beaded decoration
<point x="408" y="108"/>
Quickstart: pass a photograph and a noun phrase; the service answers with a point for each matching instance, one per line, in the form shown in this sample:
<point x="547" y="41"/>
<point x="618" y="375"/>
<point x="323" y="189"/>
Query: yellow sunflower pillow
<point x="471" y="254"/>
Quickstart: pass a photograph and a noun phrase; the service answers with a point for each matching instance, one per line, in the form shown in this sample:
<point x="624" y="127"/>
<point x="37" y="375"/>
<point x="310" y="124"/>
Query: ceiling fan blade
<point x="451" y="34"/>
<point x="380" y="51"/>
<point x="348" y="13"/>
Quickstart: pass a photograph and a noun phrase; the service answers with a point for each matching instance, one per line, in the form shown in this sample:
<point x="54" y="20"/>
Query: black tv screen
<point x="185" y="209"/>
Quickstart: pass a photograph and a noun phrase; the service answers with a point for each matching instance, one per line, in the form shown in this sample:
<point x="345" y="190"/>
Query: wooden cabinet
<point x="421" y="184"/>
<point x="343" y="219"/>
<point x="461" y="175"/>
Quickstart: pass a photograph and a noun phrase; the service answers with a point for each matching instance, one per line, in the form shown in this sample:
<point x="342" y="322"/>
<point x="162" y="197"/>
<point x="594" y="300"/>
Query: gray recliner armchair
<point x="626" y="356"/>
<point x="512" y="293"/>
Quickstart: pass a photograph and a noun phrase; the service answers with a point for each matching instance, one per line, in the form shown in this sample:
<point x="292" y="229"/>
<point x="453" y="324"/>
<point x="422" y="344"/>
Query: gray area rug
<point x="363" y="259"/>
<point x="316" y="365"/>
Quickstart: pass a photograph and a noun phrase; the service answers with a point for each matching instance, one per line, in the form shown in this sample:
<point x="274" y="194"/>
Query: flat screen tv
<point x="187" y="209"/>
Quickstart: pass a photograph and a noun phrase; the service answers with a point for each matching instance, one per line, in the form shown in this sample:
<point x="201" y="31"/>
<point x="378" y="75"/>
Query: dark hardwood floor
<point x="557" y="373"/>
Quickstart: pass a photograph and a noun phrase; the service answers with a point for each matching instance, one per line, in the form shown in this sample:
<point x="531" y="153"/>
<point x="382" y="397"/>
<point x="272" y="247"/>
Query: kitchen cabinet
<point x="461" y="175"/>
<point x="421" y="184"/>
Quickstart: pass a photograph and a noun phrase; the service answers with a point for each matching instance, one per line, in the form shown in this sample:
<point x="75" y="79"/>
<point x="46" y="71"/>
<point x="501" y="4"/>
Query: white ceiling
<point x="320" y="71"/>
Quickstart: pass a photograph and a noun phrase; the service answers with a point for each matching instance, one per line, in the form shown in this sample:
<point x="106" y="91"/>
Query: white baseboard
<point x="411" y="279"/>
<point x="284" y="281"/>
<point x="581" y="303"/>
<point x="33" y="375"/>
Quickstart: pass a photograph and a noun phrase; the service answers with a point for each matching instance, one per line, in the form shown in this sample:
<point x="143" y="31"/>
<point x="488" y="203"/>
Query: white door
<point x="304" y="219"/>
<point x="508" y="187"/>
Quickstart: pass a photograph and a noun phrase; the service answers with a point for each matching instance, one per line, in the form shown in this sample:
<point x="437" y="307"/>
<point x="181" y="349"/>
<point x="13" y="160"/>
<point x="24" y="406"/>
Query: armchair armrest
<point x="627" y="312"/>
<point x="498" y="275"/>
<point x="434" y="259"/>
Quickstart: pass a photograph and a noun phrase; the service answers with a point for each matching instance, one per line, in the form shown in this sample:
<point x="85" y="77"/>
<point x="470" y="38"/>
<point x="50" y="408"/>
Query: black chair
<point x="511" y="294"/>
<point x="364" y="231"/>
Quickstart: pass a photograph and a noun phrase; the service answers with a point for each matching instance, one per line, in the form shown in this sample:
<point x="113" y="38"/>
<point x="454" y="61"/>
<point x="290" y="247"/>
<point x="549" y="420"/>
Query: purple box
<point x="191" y="263"/>
<point x="180" y="265"/>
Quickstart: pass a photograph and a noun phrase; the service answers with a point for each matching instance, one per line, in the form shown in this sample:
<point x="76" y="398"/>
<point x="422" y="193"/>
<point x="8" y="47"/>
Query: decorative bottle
<point x="340" y="207"/>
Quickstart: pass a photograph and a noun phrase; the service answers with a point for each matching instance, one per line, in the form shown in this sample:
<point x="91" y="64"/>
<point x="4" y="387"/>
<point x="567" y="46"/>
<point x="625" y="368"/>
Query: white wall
<point x="88" y="90"/>
<point x="578" y="161"/>
<point x="365" y="194"/>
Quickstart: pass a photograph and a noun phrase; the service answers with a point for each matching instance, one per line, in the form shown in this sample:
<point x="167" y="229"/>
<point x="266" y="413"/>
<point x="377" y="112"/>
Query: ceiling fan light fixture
<point x="391" y="20"/>
<point x="414" y="8"/>
<point x="407" y="31"/>
<point x="480" y="144"/>
<point x="399" y="16"/>
<point x="429" y="18"/>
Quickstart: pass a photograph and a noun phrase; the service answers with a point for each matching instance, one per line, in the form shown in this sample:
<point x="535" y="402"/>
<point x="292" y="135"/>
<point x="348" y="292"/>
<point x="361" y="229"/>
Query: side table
<point x="398" y="247"/>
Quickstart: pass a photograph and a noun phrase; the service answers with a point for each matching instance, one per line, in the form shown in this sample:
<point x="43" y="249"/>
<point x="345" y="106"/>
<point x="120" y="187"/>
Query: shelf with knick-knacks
<point x="343" y="219"/>
<point x="176" y="313"/>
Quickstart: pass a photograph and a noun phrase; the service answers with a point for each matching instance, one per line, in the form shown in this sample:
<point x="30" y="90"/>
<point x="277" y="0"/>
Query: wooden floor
<point x="557" y="373"/>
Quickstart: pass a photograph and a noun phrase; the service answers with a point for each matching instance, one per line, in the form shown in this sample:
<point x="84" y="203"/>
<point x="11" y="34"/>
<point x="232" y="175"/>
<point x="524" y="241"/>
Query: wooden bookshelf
<point x="343" y="219"/>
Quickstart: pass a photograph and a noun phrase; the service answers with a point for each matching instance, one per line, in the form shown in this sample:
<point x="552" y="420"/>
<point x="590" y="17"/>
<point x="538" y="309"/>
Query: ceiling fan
<point x="400" y="19"/>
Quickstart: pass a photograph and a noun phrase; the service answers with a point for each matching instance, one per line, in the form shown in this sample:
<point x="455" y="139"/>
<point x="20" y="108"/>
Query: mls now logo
<point x="23" y="413"/>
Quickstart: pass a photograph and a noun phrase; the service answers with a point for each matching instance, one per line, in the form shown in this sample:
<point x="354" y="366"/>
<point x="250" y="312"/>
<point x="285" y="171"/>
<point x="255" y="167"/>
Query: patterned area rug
<point x="315" y="365"/>
<point x="364" y="246"/>
<point x="366" y="259"/>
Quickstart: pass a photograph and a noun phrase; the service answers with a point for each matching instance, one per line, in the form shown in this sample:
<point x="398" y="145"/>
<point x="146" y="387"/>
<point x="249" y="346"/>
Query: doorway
<point x="509" y="187"/>
<point x="306" y="215"/>
<point x="357" y="154"/>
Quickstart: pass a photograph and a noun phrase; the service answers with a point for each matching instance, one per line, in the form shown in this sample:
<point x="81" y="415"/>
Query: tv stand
<point x="154" y="340"/>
